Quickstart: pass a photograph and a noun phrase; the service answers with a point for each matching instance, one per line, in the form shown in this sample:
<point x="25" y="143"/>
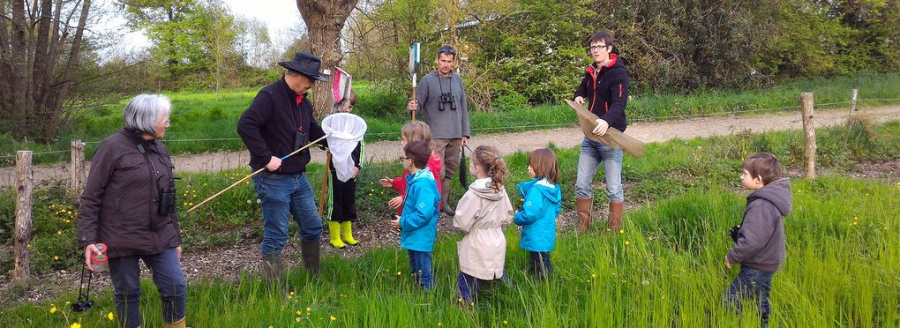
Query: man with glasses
<point x="444" y="109"/>
<point x="605" y="89"/>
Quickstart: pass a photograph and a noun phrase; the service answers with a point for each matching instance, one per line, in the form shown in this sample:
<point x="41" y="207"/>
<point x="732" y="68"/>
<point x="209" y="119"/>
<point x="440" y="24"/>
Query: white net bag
<point x="344" y="131"/>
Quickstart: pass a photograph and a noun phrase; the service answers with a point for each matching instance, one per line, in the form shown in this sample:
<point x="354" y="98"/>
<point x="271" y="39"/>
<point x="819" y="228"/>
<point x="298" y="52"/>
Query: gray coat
<point x="445" y="123"/>
<point x="761" y="241"/>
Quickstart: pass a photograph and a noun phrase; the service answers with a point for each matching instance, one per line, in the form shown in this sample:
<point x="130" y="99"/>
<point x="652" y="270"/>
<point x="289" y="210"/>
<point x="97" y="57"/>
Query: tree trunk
<point x="34" y="79"/>
<point x="324" y="20"/>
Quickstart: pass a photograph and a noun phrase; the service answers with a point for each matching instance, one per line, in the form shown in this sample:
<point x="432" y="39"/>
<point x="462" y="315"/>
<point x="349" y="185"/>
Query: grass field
<point x="206" y="121"/>
<point x="666" y="267"/>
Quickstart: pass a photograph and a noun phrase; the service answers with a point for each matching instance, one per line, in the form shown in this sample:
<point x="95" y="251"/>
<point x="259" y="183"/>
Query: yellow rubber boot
<point x="347" y="233"/>
<point x="334" y="229"/>
<point x="176" y="324"/>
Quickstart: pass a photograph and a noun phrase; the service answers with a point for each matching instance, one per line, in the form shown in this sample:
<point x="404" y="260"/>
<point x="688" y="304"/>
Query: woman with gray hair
<point x="128" y="204"/>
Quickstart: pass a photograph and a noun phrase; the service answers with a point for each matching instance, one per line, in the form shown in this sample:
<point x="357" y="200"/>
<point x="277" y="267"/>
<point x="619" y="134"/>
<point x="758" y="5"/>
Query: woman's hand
<point x="386" y="182"/>
<point x="89" y="251"/>
<point x="601" y="127"/>
<point x="579" y="100"/>
<point x="396" y="202"/>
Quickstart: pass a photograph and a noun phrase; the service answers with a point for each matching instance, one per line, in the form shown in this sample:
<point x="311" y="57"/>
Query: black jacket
<point x="761" y="241"/>
<point x="607" y="95"/>
<point x="269" y="126"/>
<point x="120" y="203"/>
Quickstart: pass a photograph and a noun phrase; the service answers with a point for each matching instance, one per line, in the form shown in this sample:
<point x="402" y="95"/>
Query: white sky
<point x="279" y="15"/>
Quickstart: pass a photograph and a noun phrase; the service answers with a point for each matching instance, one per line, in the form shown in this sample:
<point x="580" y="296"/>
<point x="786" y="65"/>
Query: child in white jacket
<point x="480" y="214"/>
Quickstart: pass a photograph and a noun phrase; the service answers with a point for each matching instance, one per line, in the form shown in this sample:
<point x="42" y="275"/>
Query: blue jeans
<point x="592" y="155"/>
<point x="126" y="279"/>
<point x="751" y="282"/>
<point x="468" y="285"/>
<point x="420" y="263"/>
<point x="284" y="195"/>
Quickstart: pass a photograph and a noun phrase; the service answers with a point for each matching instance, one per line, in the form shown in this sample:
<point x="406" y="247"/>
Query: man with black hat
<point x="279" y="121"/>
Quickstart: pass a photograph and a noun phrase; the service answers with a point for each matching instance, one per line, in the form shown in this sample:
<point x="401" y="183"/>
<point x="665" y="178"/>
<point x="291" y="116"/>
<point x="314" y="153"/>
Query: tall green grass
<point x="202" y="115"/>
<point x="664" y="269"/>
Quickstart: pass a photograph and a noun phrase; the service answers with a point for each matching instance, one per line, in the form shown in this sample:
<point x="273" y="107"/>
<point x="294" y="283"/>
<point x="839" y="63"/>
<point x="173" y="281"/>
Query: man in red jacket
<point x="605" y="89"/>
<point x="279" y="121"/>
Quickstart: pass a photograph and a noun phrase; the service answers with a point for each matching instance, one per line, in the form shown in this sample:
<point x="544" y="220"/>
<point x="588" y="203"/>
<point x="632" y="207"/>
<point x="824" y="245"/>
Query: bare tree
<point x="324" y="20"/>
<point x="39" y="52"/>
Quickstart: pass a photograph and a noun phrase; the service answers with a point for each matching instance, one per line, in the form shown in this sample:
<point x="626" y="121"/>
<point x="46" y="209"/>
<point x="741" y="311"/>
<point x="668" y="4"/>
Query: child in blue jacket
<point x="418" y="223"/>
<point x="543" y="202"/>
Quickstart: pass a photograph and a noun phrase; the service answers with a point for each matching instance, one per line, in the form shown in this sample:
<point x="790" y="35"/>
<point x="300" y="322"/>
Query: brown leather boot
<point x="310" y="250"/>
<point x="615" y="215"/>
<point x="583" y="205"/>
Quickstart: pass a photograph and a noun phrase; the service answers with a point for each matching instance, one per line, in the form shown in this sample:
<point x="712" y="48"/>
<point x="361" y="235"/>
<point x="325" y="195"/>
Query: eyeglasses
<point x="447" y="50"/>
<point x="599" y="47"/>
<point x="403" y="158"/>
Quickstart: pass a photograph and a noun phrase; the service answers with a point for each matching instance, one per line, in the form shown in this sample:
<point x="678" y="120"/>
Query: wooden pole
<point x="76" y="169"/>
<point x="250" y="176"/>
<point x="24" y="197"/>
<point x="324" y="192"/>
<point x="853" y="100"/>
<point x="809" y="133"/>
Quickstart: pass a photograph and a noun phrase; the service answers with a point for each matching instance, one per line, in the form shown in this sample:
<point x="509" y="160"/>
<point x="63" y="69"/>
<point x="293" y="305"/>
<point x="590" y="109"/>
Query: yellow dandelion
<point x="297" y="319"/>
<point x="459" y="299"/>
<point x="299" y="313"/>
<point x="59" y="232"/>
<point x="440" y="324"/>
<point x="308" y="309"/>
<point x="627" y="242"/>
<point x="332" y="318"/>
<point x="270" y="326"/>
<point x="398" y="273"/>
<point x="55" y="258"/>
<point x="593" y="275"/>
<point x="110" y="316"/>
<point x="651" y="238"/>
<point x="505" y="322"/>
<point x="855" y="223"/>
<point x="622" y="231"/>
<point x="68" y="221"/>
<point x="53" y="309"/>
<point x="292" y="293"/>
<point x="75" y="325"/>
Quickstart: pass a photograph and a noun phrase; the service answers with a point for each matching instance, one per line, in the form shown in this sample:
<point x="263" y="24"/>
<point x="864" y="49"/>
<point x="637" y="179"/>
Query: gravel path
<point x="523" y="141"/>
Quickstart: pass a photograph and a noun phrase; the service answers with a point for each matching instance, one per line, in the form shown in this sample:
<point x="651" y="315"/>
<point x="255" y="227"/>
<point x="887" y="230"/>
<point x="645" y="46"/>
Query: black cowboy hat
<point x="306" y="64"/>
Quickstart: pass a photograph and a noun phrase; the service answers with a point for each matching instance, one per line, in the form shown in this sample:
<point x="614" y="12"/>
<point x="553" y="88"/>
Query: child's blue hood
<point x="551" y="192"/>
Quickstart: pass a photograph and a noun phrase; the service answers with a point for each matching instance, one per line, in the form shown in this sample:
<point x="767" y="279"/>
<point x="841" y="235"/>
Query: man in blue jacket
<point x="279" y="121"/>
<point x="605" y="89"/>
<point x="418" y="225"/>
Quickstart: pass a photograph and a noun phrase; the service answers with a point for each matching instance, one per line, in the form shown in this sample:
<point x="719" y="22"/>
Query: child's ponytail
<point x="488" y="157"/>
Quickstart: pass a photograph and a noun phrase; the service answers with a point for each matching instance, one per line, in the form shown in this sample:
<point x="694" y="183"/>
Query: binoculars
<point x="445" y="98"/>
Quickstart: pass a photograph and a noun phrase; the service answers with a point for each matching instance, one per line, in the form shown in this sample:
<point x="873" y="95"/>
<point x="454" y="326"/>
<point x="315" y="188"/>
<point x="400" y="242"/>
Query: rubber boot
<point x="272" y="268"/>
<point x="347" y="233"/>
<point x="177" y="324"/>
<point x="615" y="215"/>
<point x="583" y="205"/>
<point x="334" y="230"/>
<point x="310" y="250"/>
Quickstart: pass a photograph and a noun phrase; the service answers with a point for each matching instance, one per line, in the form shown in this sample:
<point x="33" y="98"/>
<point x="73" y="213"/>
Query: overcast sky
<point x="279" y="15"/>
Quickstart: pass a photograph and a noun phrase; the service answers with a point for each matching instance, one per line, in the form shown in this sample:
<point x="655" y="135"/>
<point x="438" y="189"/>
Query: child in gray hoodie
<point x="759" y="243"/>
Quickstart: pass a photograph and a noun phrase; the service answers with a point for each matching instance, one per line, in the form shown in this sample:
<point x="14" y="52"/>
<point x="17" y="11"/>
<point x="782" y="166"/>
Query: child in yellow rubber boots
<point x="481" y="213"/>
<point x="343" y="194"/>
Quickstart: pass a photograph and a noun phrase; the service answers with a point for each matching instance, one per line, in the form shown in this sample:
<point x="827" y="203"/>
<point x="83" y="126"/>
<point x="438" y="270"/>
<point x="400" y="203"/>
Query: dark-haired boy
<point x="418" y="223"/>
<point x="759" y="242"/>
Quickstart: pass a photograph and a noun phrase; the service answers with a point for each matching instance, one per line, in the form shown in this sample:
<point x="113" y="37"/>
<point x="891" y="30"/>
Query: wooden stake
<point x="809" y="133"/>
<point x="76" y="168"/>
<point x="24" y="197"/>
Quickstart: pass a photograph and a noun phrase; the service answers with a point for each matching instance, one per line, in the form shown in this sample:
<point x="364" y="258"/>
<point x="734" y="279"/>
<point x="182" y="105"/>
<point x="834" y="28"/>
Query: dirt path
<point x="522" y="141"/>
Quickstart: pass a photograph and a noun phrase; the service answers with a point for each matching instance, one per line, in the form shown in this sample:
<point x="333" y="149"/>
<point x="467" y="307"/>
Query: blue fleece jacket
<point x="543" y="202"/>
<point x="418" y="224"/>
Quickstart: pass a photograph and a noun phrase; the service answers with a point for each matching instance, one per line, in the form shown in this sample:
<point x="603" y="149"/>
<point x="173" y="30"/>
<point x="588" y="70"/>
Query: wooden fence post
<point x="76" y="169"/>
<point x="853" y="98"/>
<point x="809" y="133"/>
<point x="24" y="188"/>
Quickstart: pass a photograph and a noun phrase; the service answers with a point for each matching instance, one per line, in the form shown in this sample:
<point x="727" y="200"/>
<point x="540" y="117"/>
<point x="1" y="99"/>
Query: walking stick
<point x="414" y="58"/>
<point x="252" y="175"/>
<point x="324" y="191"/>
